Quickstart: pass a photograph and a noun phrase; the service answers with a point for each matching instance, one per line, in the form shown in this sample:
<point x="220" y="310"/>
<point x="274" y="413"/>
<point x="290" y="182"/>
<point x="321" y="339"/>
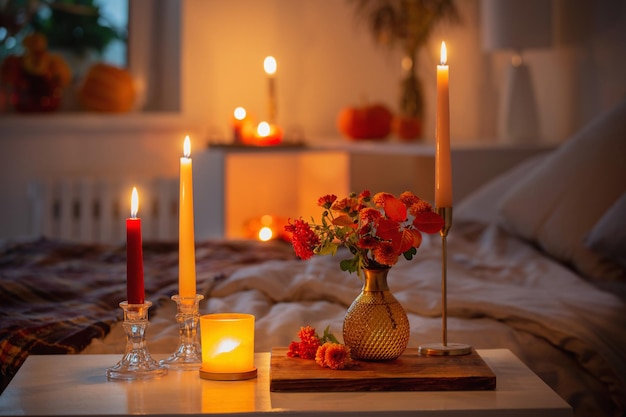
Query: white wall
<point x="326" y="60"/>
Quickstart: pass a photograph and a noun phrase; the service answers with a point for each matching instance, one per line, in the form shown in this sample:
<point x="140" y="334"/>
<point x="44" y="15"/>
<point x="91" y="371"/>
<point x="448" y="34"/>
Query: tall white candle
<point x="186" y="239"/>
<point x="443" y="166"/>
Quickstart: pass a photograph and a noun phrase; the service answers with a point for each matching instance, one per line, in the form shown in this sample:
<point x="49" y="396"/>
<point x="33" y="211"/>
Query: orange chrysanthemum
<point x="385" y="254"/>
<point x="333" y="356"/>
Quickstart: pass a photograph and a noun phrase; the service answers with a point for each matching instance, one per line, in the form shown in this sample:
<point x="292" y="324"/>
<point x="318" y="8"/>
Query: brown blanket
<point x="55" y="297"/>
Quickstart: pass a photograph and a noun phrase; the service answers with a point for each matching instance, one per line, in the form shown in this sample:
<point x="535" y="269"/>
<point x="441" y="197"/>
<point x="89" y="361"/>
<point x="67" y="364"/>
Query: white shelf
<point x="235" y="183"/>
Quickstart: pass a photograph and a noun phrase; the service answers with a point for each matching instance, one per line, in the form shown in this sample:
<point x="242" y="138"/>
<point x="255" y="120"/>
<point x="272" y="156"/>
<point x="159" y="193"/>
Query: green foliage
<point x="76" y="25"/>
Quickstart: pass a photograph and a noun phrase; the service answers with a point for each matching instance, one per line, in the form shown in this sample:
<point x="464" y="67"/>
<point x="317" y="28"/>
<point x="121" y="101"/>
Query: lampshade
<point x="516" y="24"/>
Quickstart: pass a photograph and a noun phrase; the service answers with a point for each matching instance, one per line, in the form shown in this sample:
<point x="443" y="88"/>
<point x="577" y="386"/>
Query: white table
<point x="55" y="385"/>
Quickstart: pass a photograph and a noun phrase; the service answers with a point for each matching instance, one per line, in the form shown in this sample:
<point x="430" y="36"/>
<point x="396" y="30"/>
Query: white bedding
<point x="502" y="293"/>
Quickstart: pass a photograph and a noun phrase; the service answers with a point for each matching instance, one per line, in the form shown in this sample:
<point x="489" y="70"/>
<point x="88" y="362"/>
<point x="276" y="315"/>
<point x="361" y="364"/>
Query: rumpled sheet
<point x="502" y="293"/>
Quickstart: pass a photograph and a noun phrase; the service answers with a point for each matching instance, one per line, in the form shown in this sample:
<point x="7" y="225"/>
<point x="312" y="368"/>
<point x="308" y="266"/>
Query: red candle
<point x="134" y="254"/>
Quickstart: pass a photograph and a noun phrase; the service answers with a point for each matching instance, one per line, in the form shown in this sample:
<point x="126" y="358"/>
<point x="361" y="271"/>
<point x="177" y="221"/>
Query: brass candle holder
<point x="444" y="348"/>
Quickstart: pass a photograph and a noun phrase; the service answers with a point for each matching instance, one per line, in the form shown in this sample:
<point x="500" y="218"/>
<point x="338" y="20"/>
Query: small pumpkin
<point x="107" y="88"/>
<point x="407" y="128"/>
<point x="369" y="121"/>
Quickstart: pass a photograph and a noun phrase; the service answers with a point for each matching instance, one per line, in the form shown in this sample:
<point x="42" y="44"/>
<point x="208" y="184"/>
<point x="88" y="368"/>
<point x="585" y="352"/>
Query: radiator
<point x="94" y="210"/>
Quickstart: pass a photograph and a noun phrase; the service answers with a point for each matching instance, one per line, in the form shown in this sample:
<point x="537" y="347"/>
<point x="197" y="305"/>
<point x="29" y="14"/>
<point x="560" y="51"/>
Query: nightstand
<point x="62" y="385"/>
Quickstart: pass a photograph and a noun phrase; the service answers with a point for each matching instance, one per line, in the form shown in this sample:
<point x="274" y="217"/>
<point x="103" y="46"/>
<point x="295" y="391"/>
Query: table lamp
<point x="517" y="25"/>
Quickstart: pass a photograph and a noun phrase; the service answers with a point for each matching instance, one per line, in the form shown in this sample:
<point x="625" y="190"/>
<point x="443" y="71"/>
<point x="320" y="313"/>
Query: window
<point x="141" y="36"/>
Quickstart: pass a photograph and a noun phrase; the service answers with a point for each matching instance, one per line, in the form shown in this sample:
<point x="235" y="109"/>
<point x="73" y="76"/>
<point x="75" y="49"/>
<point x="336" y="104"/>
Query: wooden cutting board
<point x="410" y="372"/>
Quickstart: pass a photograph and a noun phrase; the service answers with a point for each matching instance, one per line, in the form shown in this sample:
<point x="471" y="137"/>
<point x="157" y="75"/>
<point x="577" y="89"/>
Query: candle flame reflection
<point x="187" y="147"/>
<point x="134" y="203"/>
<point x="444" y="54"/>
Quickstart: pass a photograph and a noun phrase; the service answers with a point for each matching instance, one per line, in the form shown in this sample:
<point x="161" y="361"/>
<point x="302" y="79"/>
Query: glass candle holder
<point x="136" y="362"/>
<point x="227" y="346"/>
<point x="187" y="355"/>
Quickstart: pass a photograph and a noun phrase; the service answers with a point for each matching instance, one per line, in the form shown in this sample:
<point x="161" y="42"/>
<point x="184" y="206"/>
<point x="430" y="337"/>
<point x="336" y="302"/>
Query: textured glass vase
<point x="376" y="326"/>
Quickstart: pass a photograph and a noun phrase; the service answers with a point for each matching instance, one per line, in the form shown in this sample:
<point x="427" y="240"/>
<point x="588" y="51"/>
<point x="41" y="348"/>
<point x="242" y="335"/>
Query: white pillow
<point x="481" y="205"/>
<point x="608" y="236"/>
<point x="560" y="201"/>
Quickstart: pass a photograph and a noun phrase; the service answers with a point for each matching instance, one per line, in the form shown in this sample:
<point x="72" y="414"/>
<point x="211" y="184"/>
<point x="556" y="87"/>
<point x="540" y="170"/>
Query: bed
<point x="536" y="265"/>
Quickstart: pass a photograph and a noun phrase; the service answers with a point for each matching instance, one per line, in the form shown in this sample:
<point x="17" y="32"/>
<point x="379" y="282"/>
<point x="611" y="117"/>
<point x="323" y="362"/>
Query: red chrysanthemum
<point x="364" y="196"/>
<point x="304" y="239"/>
<point x="309" y="342"/>
<point x="326" y="201"/>
<point x="368" y="215"/>
<point x="367" y="242"/>
<point x="293" y="351"/>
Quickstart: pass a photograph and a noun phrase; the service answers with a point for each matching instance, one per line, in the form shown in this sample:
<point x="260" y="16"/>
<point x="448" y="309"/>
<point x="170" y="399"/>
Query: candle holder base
<point x="228" y="376"/>
<point x="136" y="362"/>
<point x="438" y="349"/>
<point x="188" y="355"/>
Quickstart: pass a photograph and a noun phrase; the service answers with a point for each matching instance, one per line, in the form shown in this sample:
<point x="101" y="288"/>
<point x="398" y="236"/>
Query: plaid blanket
<point x="55" y="297"/>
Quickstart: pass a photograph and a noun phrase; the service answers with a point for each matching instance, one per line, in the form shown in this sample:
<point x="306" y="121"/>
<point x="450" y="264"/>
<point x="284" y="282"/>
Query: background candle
<point x="443" y="166"/>
<point x="239" y="118"/>
<point x="134" y="254"/>
<point x="186" y="240"/>
<point x="269" y="64"/>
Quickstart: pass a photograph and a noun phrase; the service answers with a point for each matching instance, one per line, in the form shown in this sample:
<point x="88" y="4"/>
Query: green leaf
<point x="408" y="255"/>
<point x="328" y="336"/>
<point x="349" y="265"/>
<point x="328" y="249"/>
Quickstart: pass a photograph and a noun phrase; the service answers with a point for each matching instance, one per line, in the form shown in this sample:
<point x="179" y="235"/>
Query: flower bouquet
<point x="377" y="229"/>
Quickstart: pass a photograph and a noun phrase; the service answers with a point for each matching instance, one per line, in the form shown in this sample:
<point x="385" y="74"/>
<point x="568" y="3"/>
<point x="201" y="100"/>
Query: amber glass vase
<point x="376" y="326"/>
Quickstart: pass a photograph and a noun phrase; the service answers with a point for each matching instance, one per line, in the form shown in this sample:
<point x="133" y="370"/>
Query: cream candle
<point x="186" y="240"/>
<point x="443" y="166"/>
<point x="134" y="254"/>
<point x="269" y="65"/>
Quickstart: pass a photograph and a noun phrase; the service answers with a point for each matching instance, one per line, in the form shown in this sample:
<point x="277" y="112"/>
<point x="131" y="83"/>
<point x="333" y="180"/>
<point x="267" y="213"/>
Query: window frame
<point x="154" y="47"/>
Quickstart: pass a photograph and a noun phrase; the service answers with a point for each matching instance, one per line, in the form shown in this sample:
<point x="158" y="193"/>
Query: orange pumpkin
<point x="407" y="128"/>
<point x="107" y="88"/>
<point x="370" y="121"/>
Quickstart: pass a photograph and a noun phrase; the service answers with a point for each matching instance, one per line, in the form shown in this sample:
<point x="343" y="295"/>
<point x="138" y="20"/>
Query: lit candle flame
<point x="444" y="54"/>
<point x="134" y="203"/>
<point x="240" y="113"/>
<point x="265" y="234"/>
<point x="263" y="129"/>
<point x="187" y="147"/>
<point x="269" y="65"/>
